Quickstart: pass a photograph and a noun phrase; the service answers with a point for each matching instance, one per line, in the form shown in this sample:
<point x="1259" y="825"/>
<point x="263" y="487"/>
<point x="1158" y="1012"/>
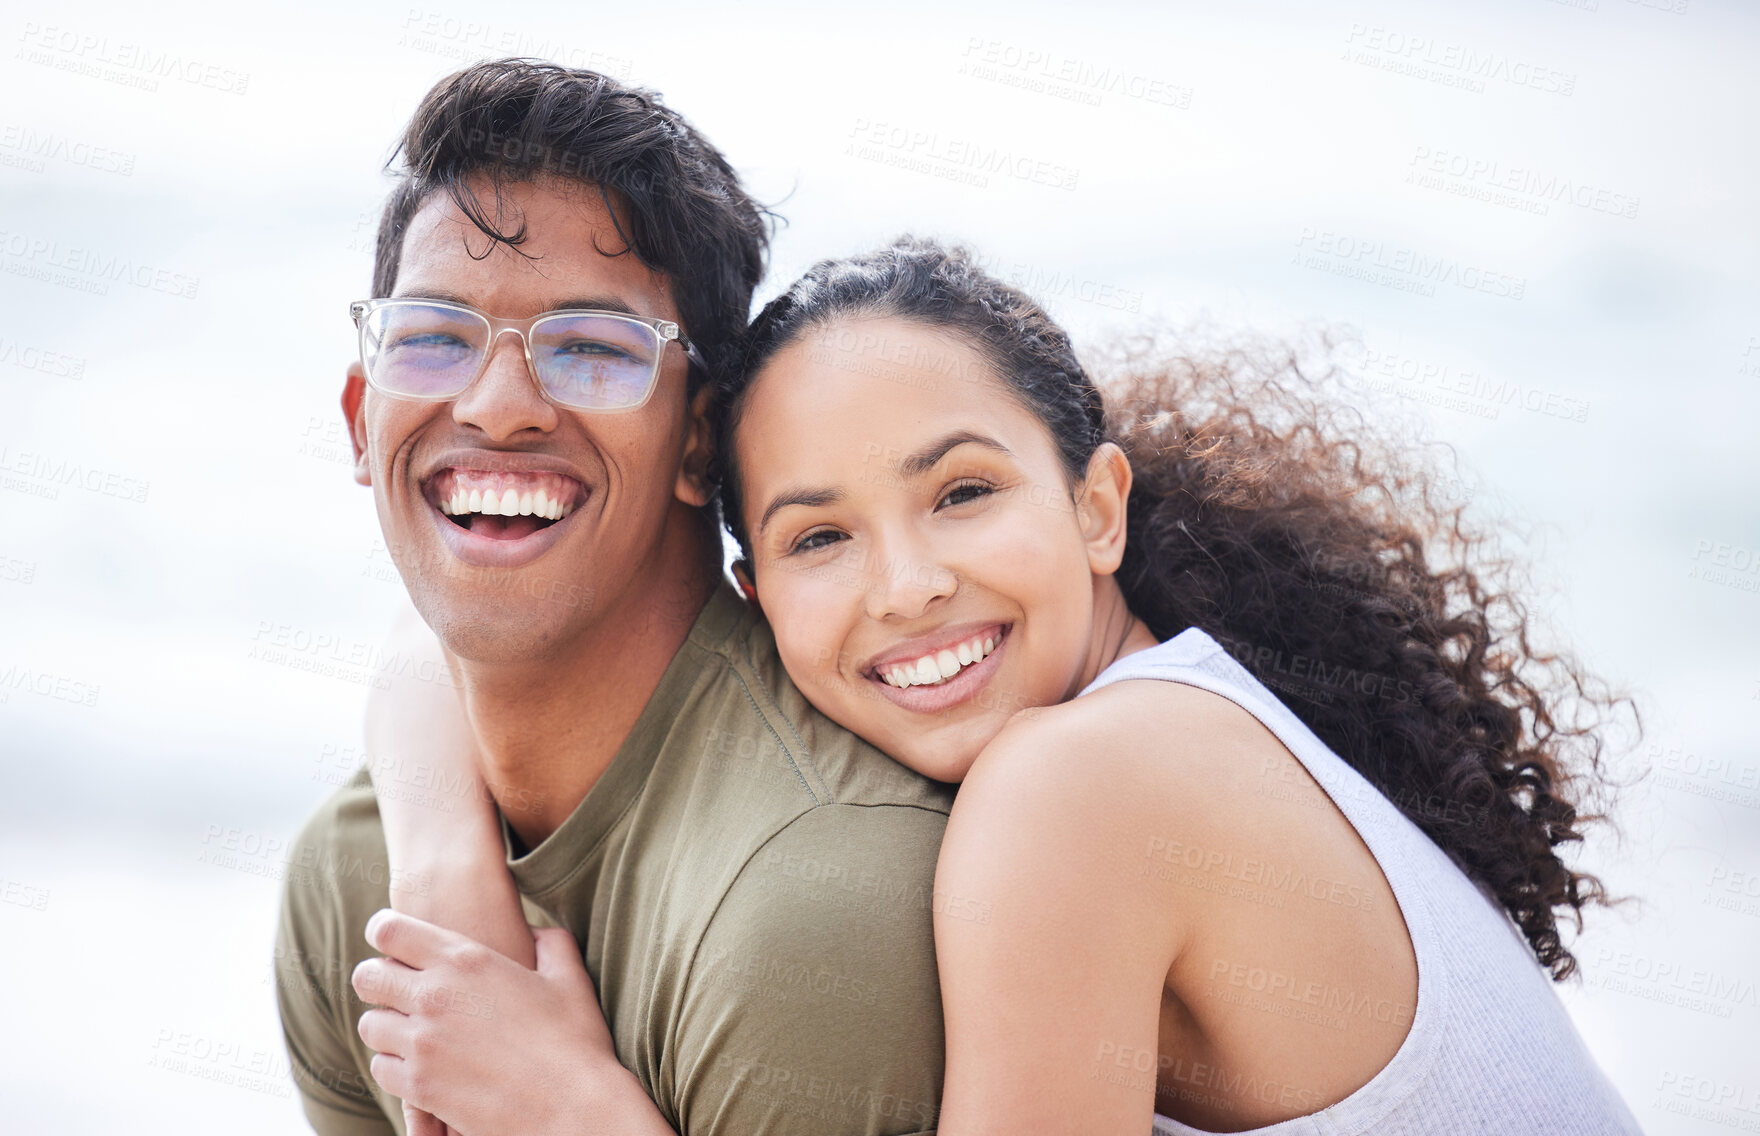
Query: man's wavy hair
<point x="677" y="204"/>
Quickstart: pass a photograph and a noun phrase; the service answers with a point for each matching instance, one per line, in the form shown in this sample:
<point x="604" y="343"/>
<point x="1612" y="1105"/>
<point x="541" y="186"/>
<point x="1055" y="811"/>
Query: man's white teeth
<point x="932" y="670"/>
<point x="532" y="503"/>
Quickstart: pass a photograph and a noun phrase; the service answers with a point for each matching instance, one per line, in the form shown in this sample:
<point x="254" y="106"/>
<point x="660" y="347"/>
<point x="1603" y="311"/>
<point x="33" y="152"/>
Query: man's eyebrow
<point x="808" y="497"/>
<point x="593" y="303"/>
<point x="924" y="459"/>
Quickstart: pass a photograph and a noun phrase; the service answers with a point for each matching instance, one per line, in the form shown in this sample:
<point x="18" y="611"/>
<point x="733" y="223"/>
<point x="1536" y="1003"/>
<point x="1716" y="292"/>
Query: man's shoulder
<point x="337" y="864"/>
<point x="335" y="877"/>
<point x="838" y="860"/>
<point x="812" y="1003"/>
<point x="764" y="724"/>
<point x="345" y="821"/>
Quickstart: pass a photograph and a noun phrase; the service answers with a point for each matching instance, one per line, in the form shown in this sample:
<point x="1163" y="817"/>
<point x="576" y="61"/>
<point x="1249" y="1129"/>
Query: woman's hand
<point x="476" y="1039"/>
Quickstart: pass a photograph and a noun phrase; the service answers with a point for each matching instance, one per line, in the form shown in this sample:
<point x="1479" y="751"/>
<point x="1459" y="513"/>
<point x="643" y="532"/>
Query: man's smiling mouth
<point x="503" y="505"/>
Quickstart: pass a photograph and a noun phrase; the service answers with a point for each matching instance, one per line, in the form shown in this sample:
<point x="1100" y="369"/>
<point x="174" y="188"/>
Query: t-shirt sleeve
<point x="812" y="1004"/>
<point x="311" y="979"/>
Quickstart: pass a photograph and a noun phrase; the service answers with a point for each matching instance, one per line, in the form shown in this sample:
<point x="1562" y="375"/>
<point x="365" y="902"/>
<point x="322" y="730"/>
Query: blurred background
<point x="1534" y="219"/>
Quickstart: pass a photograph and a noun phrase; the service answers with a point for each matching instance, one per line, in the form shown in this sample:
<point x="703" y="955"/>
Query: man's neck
<point x="547" y="730"/>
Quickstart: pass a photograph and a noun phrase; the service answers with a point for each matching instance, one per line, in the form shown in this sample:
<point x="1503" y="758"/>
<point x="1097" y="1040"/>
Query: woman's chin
<point x="947" y="758"/>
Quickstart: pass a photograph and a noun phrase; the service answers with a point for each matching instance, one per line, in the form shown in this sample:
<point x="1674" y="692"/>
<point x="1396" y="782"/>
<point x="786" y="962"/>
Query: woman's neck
<point x="1117" y="633"/>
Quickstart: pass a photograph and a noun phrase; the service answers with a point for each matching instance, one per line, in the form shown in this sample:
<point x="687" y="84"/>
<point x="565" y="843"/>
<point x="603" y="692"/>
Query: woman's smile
<point x="929" y="679"/>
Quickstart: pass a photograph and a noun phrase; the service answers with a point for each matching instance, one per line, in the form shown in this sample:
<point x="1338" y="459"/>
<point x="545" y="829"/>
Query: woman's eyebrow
<point x="915" y="465"/>
<point x="808" y="497"/>
<point x="924" y="459"/>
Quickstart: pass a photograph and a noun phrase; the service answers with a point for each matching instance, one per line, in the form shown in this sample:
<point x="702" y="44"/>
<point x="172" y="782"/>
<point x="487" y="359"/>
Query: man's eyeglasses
<point x="588" y="360"/>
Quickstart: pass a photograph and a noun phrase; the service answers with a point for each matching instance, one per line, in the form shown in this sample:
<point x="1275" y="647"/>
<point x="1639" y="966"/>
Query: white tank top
<point x="1490" y="1049"/>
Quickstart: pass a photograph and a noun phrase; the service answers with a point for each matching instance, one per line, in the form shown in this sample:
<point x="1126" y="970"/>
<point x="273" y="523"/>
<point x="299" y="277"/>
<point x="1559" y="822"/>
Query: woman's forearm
<point x="464" y="886"/>
<point x="444" y="849"/>
<point x="621" y="1105"/>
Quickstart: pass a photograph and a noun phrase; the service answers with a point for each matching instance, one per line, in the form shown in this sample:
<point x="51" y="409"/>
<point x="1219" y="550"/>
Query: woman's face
<point x="914" y="541"/>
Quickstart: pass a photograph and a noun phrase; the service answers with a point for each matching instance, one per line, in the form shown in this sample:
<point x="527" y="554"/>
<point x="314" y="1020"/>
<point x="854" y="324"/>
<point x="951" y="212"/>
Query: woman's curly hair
<point x="1348" y="574"/>
<point x="1331" y="561"/>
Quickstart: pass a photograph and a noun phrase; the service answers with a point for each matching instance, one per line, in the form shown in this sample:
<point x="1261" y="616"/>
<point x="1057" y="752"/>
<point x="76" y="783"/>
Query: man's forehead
<point x="570" y="252"/>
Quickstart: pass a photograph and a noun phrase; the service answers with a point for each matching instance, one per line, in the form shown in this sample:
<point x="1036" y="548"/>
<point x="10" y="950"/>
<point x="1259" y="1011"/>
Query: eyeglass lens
<point x="591" y="362"/>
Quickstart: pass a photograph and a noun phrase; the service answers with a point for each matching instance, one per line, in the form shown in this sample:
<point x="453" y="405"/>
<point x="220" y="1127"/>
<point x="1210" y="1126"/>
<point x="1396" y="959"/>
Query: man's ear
<point x="1100" y="509"/>
<point x="693" y="486"/>
<point x="354" y="412"/>
<point x="742" y="575"/>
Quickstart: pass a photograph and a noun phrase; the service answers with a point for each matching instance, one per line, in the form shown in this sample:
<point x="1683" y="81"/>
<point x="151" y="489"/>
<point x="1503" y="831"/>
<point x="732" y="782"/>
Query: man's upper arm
<point x="812" y="1005"/>
<point x="311" y="990"/>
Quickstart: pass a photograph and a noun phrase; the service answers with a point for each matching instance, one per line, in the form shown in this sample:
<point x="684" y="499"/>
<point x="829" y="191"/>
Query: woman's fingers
<point x="387" y="1032"/>
<point x="413" y="941"/>
<point x="392" y="1073"/>
<point x="387" y="982"/>
<point x="559" y="959"/>
<point x="419" y="1123"/>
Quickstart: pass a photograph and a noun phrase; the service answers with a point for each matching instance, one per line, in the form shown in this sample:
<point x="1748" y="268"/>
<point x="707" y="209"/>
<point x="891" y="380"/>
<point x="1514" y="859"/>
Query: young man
<point x="716" y="846"/>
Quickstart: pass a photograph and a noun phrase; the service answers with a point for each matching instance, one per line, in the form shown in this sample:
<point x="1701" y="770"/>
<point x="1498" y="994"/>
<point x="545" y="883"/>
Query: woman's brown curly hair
<point x="1330" y="561"/>
<point x="1347" y="574"/>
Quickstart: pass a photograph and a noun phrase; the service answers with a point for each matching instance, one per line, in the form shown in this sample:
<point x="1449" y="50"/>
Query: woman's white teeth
<point x="932" y="670"/>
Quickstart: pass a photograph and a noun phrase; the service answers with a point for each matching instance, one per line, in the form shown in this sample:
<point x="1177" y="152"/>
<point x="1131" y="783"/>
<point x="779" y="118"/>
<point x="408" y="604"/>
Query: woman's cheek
<point x="1023" y="550"/>
<point x="812" y="612"/>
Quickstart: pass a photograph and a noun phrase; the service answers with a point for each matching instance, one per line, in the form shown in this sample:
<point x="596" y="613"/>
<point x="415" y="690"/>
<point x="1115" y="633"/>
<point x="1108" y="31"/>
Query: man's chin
<point x="499" y="629"/>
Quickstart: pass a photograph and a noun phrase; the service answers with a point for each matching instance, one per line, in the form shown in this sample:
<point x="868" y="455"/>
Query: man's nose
<point x="505" y="400"/>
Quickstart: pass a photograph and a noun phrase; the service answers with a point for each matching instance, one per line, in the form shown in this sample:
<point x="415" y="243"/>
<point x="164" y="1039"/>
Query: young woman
<point x="1164" y="895"/>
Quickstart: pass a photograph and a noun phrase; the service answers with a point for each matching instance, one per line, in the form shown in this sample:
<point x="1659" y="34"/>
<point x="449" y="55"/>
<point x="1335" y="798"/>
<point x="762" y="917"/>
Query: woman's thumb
<point x="559" y="956"/>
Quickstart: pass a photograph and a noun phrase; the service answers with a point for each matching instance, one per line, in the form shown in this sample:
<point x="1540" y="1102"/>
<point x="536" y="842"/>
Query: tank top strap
<point x="1482" y="1003"/>
<point x="1195" y="659"/>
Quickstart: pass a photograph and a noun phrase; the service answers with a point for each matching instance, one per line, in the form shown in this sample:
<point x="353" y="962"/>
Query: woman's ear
<point x="694" y="485"/>
<point x="1101" y="507"/>
<point x="742" y="575"/>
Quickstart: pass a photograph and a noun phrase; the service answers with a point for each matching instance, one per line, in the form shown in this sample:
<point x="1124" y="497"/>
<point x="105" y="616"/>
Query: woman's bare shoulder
<point x="1127" y="746"/>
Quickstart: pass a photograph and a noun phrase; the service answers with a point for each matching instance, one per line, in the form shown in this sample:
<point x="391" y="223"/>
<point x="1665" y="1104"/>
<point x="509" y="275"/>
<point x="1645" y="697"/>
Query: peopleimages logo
<point x="1520" y="187"/>
<point x="87" y="269"/>
<point x="47" y="475"/>
<point x="1399" y="267"/>
<point x="39" y="146"/>
<point x="1270" y="663"/>
<point x="131" y="64"/>
<point x="963" y="160"/>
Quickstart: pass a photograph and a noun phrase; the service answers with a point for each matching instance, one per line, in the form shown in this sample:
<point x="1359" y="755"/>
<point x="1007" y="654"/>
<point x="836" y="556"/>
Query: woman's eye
<point x="965" y="492"/>
<point x="819" y="538"/>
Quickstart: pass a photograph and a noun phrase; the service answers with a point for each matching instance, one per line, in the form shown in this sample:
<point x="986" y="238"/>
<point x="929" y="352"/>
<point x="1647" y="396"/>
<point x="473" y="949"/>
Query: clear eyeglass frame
<point x="667" y="331"/>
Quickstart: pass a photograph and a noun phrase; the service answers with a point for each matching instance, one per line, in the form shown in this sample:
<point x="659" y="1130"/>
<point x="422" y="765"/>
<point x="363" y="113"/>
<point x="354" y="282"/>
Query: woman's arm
<point x="442" y="834"/>
<point x="1052" y="964"/>
<point x="502" y="1047"/>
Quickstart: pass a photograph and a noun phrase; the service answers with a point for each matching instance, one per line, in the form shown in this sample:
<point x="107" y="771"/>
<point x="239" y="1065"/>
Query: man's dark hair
<point x="676" y="202"/>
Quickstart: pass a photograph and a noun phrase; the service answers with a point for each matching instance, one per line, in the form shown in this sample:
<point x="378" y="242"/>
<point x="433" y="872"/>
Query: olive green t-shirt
<point x="751" y="887"/>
